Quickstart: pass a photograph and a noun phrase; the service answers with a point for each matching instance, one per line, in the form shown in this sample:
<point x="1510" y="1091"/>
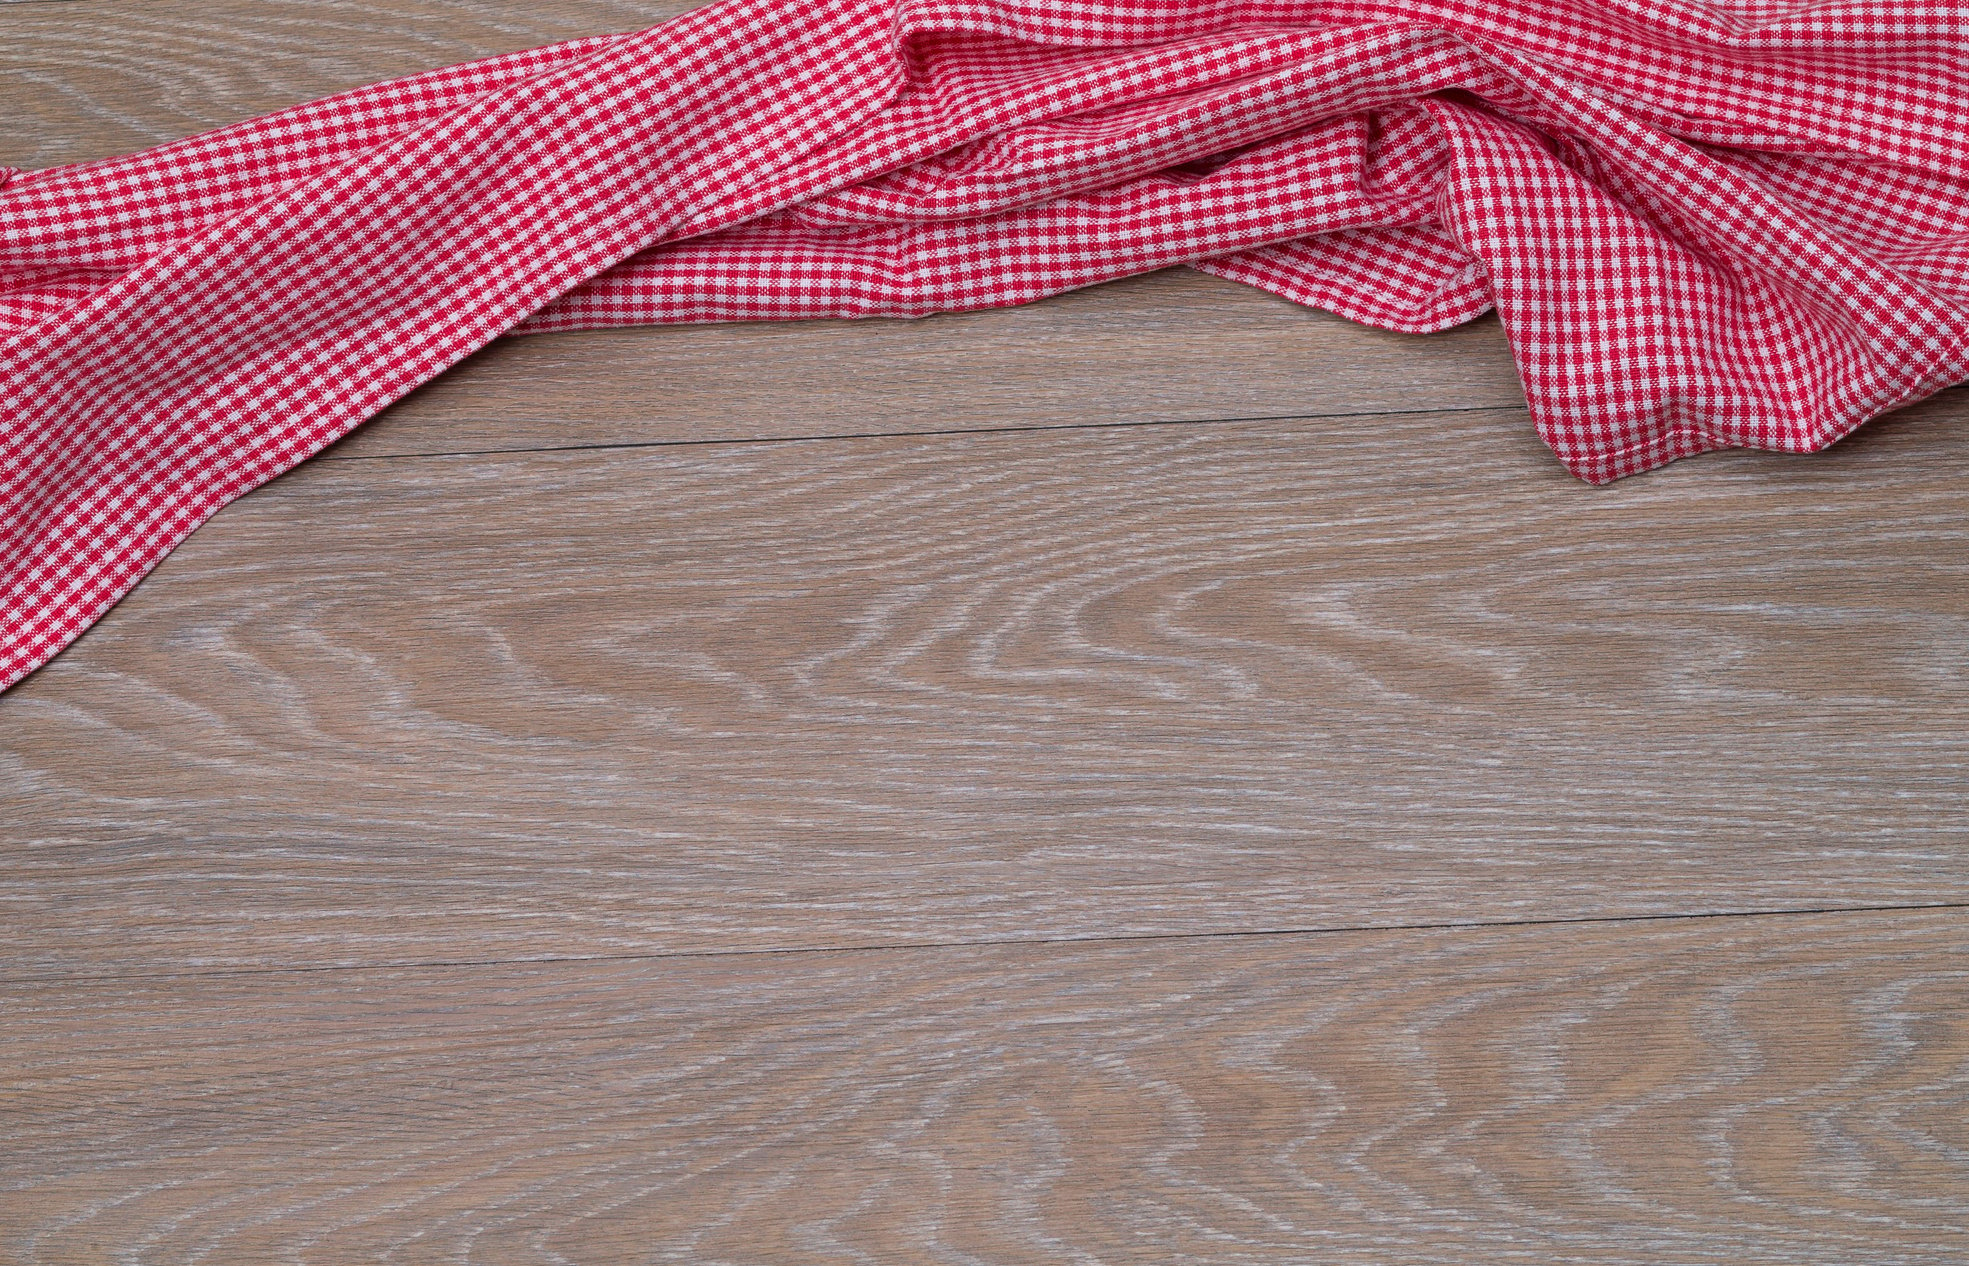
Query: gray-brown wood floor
<point x="1157" y="776"/>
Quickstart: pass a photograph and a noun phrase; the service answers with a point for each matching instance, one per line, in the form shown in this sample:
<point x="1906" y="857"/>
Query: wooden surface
<point x="973" y="790"/>
<point x="1749" y="1090"/>
<point x="1121" y="680"/>
<point x="1172" y="346"/>
<point x="86" y="79"/>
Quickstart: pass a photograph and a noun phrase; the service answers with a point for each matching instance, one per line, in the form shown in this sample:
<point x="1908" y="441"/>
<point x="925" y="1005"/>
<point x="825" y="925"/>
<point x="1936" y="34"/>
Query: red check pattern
<point x="1703" y="223"/>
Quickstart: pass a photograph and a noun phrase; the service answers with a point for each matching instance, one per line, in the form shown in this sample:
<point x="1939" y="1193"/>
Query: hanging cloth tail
<point x="270" y="328"/>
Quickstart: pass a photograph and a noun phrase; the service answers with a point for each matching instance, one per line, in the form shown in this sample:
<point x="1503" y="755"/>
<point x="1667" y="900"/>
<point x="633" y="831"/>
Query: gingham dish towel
<point x="1703" y="223"/>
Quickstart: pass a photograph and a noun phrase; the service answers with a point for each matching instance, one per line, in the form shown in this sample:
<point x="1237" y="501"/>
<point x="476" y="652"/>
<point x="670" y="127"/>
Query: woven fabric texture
<point x="1703" y="223"/>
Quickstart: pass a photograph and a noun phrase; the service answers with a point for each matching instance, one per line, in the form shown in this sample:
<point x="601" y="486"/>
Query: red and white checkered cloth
<point x="1704" y="223"/>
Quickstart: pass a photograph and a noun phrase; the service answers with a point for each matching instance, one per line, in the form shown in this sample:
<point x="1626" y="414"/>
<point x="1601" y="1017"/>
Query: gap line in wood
<point x="1349" y="415"/>
<point x="1145" y="939"/>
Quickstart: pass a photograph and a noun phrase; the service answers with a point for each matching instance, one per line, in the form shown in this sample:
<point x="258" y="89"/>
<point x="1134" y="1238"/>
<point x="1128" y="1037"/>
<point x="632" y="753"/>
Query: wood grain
<point x="1367" y="671"/>
<point x="96" y="78"/>
<point x="1765" y="1090"/>
<point x="1169" y="346"/>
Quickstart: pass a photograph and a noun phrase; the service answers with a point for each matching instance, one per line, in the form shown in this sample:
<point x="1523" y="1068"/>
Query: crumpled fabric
<point x="1703" y="223"/>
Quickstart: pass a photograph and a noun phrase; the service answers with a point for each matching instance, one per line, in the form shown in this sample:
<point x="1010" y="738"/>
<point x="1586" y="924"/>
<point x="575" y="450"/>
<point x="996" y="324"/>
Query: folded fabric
<point x="1703" y="223"/>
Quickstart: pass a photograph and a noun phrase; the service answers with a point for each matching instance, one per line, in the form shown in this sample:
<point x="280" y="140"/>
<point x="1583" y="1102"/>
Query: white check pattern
<point x="1703" y="223"/>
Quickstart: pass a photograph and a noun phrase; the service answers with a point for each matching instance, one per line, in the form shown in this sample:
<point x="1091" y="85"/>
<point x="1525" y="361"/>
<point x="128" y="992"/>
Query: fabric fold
<point x="1703" y="225"/>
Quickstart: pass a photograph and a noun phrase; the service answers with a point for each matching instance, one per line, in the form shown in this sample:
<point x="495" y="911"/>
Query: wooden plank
<point x="107" y="76"/>
<point x="96" y="78"/>
<point x="1785" y="1090"/>
<point x="1370" y="671"/>
<point x="1170" y="346"/>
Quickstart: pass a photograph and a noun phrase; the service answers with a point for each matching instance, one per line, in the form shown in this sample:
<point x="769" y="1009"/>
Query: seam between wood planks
<point x="1031" y="428"/>
<point x="990" y="942"/>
